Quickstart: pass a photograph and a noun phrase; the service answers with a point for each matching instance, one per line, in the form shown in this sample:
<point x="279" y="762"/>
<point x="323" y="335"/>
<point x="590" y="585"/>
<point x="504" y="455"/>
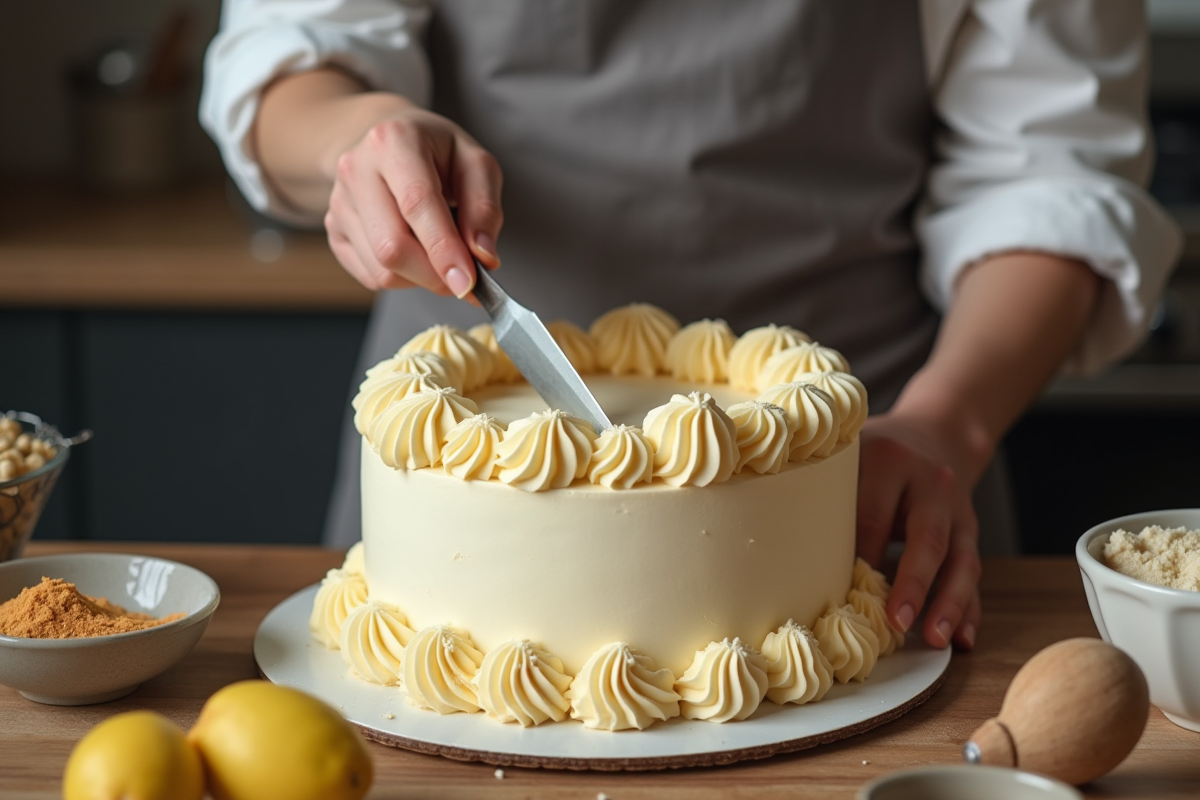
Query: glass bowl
<point x="23" y="498"/>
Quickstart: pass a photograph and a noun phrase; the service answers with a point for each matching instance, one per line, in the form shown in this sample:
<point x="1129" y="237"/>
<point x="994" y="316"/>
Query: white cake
<point x="514" y="561"/>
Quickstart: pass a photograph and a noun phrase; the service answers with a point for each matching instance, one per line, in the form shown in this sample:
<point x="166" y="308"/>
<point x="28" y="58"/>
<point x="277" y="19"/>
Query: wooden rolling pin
<point x="1073" y="712"/>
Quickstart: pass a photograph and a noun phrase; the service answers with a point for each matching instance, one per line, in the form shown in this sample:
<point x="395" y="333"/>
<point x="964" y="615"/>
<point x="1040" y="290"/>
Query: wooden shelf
<point x="189" y="249"/>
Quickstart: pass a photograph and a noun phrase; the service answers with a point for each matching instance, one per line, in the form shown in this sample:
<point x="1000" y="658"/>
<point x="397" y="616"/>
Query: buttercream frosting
<point x="753" y="348"/>
<point x="577" y="345"/>
<point x="471" y="447"/>
<point x="503" y="368"/>
<point x="868" y="579"/>
<point x="787" y="364"/>
<point x="355" y="560"/>
<point x="373" y="639"/>
<point x="849" y="394"/>
<point x="633" y="339"/>
<point x="545" y="451"/>
<point x="622" y="457"/>
<point x="764" y="436"/>
<point x="848" y="642"/>
<point x="813" y="417"/>
<point x="695" y="442"/>
<point x="797" y="671"/>
<point x="618" y="688"/>
<point x="409" y="434"/>
<point x="339" y="594"/>
<point x="376" y="394"/>
<point x="700" y="351"/>
<point x="726" y="681"/>
<point x="440" y="663"/>
<point x="874" y="609"/>
<point x="421" y="362"/>
<point x="519" y="682"/>
<point x="473" y="360"/>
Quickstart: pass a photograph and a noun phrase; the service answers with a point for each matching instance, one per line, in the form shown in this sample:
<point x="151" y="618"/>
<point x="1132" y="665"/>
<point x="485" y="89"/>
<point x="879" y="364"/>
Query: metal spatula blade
<point x="525" y="339"/>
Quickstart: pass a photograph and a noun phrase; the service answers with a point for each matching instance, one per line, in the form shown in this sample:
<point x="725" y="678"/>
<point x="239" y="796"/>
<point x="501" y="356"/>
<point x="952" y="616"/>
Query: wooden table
<point x="1028" y="604"/>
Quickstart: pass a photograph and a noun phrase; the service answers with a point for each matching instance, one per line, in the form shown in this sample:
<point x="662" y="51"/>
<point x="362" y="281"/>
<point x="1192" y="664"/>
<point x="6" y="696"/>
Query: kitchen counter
<point x="193" y="248"/>
<point x="1028" y="604"/>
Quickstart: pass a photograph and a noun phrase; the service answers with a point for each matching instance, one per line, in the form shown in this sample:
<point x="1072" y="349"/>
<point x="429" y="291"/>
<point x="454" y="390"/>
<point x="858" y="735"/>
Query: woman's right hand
<point x="389" y="219"/>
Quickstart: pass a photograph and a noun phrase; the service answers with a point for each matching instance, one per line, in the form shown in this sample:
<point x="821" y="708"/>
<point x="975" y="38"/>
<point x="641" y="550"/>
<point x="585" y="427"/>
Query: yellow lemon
<point x="138" y="755"/>
<point x="260" y="741"/>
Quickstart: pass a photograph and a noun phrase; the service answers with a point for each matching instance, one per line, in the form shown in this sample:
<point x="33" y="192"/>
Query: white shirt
<point x="1044" y="143"/>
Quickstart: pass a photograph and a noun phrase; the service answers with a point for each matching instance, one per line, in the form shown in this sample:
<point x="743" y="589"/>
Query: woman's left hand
<point x="911" y="490"/>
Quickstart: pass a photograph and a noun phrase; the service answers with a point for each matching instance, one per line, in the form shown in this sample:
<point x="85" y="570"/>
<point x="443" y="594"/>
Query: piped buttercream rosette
<point x="471" y="448"/>
<point x="472" y="359"/>
<point x="754" y="348"/>
<point x="787" y="365"/>
<point x="764" y="436"/>
<point x="726" y="681"/>
<point x="440" y="663"/>
<point x="633" y="339"/>
<point x="378" y="393"/>
<point x="503" y="368"/>
<point x="373" y="638"/>
<point x="619" y="688"/>
<point x="797" y="671"/>
<point x="577" y="345"/>
<point x="700" y="351"/>
<point x="848" y="642"/>
<point x="622" y="457"/>
<point x="409" y="434"/>
<point x="522" y="683"/>
<point x="544" y="451"/>
<point x="421" y="362"/>
<point x="339" y="594"/>
<point x="695" y="442"/>
<point x="813" y="416"/>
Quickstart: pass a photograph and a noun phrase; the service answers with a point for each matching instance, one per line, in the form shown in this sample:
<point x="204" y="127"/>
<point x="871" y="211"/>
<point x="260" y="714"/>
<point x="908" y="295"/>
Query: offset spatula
<point x="539" y="358"/>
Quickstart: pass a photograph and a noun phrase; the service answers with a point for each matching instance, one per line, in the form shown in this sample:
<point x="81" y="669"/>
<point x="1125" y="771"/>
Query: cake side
<point x="664" y="569"/>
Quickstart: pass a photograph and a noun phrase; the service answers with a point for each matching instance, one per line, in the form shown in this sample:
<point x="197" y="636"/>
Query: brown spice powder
<point x="54" y="609"/>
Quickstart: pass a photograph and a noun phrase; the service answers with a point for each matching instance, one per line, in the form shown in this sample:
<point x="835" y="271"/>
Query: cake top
<point x="694" y="404"/>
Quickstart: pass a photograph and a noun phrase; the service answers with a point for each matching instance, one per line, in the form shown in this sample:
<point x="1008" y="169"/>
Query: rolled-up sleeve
<point x="1044" y="146"/>
<point x="261" y="40"/>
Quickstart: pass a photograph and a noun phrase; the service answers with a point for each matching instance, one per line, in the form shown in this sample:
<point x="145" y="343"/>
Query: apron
<point x="754" y="161"/>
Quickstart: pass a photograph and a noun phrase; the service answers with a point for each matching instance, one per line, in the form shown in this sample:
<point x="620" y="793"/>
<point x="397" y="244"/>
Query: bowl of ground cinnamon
<point x="87" y="628"/>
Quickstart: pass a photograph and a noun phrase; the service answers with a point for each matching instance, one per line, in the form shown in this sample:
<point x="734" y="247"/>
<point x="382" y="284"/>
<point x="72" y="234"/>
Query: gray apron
<point x="755" y="161"/>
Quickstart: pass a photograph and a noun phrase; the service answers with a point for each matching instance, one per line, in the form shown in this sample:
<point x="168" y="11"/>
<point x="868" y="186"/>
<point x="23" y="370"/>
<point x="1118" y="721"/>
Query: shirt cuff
<point x="238" y="66"/>
<point x="1112" y="226"/>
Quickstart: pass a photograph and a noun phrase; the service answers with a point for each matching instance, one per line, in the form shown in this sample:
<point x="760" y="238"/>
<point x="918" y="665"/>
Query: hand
<point x="910" y="489"/>
<point x="389" y="220"/>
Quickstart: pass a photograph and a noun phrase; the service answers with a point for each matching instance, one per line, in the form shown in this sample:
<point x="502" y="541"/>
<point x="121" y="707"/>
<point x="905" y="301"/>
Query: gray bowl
<point x="962" y="781"/>
<point x="97" y="669"/>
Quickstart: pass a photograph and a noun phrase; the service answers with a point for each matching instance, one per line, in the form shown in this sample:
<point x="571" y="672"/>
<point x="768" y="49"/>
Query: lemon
<point x="138" y="755"/>
<point x="260" y="741"/>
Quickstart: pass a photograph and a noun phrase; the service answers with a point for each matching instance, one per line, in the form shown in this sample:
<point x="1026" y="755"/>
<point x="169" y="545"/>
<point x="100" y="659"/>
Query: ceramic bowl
<point x="23" y="498"/>
<point x="963" y="781"/>
<point x="97" y="669"/>
<point x="1158" y="627"/>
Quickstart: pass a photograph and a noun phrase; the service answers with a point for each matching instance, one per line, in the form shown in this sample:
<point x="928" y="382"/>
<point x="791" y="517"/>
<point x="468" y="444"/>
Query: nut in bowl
<point x="32" y="455"/>
<point x="1158" y="626"/>
<point x="84" y="669"/>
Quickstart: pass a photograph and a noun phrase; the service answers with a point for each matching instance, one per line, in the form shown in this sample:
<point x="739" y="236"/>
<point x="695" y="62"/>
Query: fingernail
<point x="968" y="634"/>
<point x="486" y="244"/>
<point x="458" y="281"/>
<point x="905" y="617"/>
<point x="945" y="630"/>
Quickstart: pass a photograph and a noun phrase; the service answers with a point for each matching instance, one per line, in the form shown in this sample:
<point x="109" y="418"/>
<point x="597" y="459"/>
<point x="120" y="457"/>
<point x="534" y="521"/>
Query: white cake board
<point x="287" y="654"/>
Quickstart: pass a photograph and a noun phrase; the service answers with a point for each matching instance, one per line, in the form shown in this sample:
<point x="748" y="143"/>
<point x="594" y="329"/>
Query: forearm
<point x="305" y="121"/>
<point x="1014" y="319"/>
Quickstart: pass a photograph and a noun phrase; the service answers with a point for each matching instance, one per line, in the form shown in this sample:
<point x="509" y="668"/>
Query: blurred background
<point x="212" y="351"/>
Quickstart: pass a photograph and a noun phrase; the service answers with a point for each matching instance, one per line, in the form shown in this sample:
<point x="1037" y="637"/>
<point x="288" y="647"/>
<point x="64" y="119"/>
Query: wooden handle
<point x="992" y="745"/>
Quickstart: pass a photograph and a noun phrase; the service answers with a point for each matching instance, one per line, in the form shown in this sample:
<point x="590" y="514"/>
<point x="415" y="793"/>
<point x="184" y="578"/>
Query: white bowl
<point x="1157" y="626"/>
<point x="96" y="669"/>
<point x="962" y="781"/>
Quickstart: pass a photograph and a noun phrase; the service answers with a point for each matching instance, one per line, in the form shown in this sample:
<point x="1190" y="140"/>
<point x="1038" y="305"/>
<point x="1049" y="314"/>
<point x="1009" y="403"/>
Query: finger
<point x="477" y="183"/>
<point x="402" y="277"/>
<point x="880" y="487"/>
<point x="964" y="637"/>
<point x="413" y="180"/>
<point x="957" y="583"/>
<point x="343" y="251"/>
<point x="387" y="237"/>
<point x="927" y="524"/>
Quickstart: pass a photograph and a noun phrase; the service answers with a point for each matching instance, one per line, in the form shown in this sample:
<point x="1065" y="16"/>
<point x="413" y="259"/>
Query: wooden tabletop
<point x="196" y="247"/>
<point x="1028" y="604"/>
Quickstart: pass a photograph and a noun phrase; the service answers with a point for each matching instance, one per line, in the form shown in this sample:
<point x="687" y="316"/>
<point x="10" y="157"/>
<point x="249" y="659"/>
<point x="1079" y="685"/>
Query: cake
<point x="693" y="560"/>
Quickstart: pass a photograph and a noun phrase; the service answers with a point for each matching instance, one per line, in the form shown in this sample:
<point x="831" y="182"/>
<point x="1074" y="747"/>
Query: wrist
<point x="356" y="115"/>
<point x="937" y="403"/>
